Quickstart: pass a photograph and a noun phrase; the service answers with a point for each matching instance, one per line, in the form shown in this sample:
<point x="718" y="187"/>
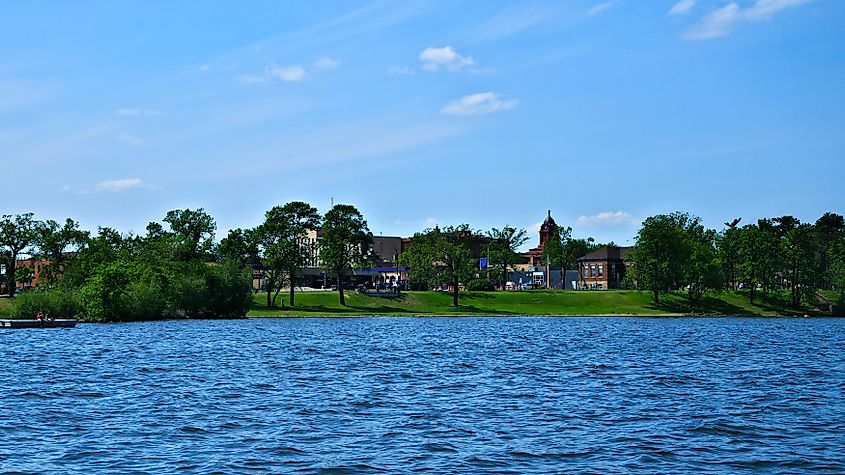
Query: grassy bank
<point x="526" y="303"/>
<point x="5" y="307"/>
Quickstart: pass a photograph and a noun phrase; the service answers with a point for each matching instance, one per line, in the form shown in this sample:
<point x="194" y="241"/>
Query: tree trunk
<point x="10" y="274"/>
<point x="656" y="293"/>
<point x="454" y="291"/>
<point x="291" y="290"/>
<point x="269" y="295"/>
<point x="751" y="295"/>
<point x="340" y="290"/>
<point x="504" y="277"/>
<point x="563" y="278"/>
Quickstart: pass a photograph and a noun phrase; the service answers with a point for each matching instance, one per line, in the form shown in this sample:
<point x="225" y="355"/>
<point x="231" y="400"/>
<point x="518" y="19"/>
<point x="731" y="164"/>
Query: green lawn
<point x="535" y="302"/>
<point x="6" y="307"/>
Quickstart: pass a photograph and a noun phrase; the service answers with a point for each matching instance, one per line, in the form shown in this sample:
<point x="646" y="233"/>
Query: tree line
<point x="174" y="269"/>
<point x="676" y="252"/>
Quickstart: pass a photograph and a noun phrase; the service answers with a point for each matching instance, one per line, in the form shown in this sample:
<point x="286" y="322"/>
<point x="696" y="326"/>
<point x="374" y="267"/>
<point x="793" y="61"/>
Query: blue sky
<point x="419" y="113"/>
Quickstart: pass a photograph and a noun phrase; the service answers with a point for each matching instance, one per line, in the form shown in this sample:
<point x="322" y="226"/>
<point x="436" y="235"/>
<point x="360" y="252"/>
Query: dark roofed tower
<point x="546" y="229"/>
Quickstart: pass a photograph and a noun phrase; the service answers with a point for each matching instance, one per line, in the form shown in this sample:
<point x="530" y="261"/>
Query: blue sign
<point x="482" y="263"/>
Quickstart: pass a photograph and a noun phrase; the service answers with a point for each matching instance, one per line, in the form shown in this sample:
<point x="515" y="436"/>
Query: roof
<point x="608" y="253"/>
<point x="549" y="223"/>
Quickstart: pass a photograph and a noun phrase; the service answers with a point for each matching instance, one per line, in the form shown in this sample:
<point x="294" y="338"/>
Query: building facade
<point x="604" y="268"/>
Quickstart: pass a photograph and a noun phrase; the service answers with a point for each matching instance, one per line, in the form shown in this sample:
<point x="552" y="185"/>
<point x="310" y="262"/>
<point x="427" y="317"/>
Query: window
<point x="586" y="270"/>
<point x="601" y="271"/>
<point x="592" y="270"/>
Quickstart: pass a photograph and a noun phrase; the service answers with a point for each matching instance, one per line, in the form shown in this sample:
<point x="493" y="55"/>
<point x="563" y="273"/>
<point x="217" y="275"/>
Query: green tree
<point x="59" y="244"/>
<point x="346" y="242"/>
<point x="728" y="245"/>
<point x="503" y="250"/>
<point x="702" y="269"/>
<point x="800" y="265"/>
<point x="438" y="256"/>
<point x="661" y="252"/>
<point x="240" y="247"/>
<point x="17" y="234"/>
<point x="194" y="230"/>
<point x="282" y="240"/>
<point x="829" y="228"/>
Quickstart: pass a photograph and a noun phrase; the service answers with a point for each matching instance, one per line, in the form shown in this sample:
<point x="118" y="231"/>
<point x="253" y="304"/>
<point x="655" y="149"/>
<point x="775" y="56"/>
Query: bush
<point x="58" y="303"/>
<point x="478" y="285"/>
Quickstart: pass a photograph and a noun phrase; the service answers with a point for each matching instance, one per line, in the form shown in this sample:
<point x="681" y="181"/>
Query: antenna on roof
<point x="550" y="213"/>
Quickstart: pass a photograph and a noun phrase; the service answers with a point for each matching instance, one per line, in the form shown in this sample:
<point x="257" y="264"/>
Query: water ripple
<point x="446" y="395"/>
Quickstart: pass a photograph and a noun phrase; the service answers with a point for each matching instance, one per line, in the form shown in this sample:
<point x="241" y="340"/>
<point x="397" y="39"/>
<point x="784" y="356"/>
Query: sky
<point x="422" y="113"/>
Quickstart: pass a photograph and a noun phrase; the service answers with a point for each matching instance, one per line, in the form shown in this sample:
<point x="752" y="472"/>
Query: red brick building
<point x="604" y="268"/>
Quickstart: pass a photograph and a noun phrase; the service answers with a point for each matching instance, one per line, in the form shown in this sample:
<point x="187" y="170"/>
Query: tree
<point x="59" y="244"/>
<point x="503" y="248"/>
<point x="282" y="238"/>
<point x="346" y="242"/>
<point x="830" y="228"/>
<point x="239" y="247"/>
<point x="702" y="270"/>
<point x="800" y="265"/>
<point x="437" y="255"/>
<point x="752" y="257"/>
<point x="661" y="252"/>
<point x="728" y="244"/>
<point x="17" y="234"/>
<point x="194" y="230"/>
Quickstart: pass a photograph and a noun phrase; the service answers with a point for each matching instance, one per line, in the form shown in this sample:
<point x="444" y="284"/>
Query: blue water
<point x="443" y="395"/>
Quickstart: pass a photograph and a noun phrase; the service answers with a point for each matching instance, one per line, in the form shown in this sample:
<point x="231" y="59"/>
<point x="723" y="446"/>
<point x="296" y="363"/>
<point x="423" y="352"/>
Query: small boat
<point x="70" y="323"/>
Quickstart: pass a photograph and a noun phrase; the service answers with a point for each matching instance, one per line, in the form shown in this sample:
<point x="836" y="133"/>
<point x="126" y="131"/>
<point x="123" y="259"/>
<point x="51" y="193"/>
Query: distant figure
<point x="49" y="317"/>
<point x="39" y="316"/>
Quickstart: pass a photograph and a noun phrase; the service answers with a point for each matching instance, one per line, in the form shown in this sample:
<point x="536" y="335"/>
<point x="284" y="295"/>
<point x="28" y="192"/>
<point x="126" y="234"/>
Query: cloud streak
<point x="722" y="21"/>
<point x="600" y="8"/>
<point x="607" y="218"/>
<point x="682" y="7"/>
<point x="478" y="104"/>
<point x="116" y="186"/>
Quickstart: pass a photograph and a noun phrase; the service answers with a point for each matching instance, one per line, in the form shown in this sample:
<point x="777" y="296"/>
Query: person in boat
<point x="49" y="318"/>
<point x="39" y="316"/>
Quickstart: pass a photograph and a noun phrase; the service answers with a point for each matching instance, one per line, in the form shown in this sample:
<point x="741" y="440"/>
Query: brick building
<point x="604" y="268"/>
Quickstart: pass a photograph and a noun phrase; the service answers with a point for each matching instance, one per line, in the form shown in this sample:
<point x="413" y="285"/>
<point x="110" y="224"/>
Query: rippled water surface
<point x="447" y="395"/>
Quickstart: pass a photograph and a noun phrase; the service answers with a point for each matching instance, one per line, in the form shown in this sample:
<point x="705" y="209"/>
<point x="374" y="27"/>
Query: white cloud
<point x="250" y="79"/>
<point x="121" y="184"/>
<point x="480" y="103"/>
<point x="204" y="68"/>
<point x="435" y="58"/>
<point x="683" y="6"/>
<point x="65" y="189"/>
<point x="600" y="8"/>
<point x="132" y="112"/>
<point x="401" y="71"/>
<point x="607" y="218"/>
<point x="131" y="140"/>
<point x="325" y="63"/>
<point x="292" y="73"/>
<point x="721" y="22"/>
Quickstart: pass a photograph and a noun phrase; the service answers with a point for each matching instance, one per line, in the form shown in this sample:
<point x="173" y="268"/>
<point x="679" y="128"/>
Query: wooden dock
<point x="37" y="324"/>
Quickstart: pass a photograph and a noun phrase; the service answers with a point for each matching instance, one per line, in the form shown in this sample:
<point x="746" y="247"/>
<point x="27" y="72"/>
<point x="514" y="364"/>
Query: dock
<point x="37" y="324"/>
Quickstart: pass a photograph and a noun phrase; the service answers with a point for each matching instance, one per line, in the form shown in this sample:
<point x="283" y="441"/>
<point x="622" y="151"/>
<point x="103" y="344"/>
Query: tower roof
<point x="549" y="223"/>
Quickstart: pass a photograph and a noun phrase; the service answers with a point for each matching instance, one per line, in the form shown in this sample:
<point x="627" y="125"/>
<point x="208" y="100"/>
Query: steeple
<point x="546" y="228"/>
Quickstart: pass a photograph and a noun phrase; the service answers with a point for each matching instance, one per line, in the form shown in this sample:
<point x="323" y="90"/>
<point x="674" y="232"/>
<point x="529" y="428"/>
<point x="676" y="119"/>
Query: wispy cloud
<point x="396" y="70"/>
<point x="434" y="59"/>
<point x="722" y="21"/>
<point x="609" y="218"/>
<point x="132" y="112"/>
<point x="204" y="68"/>
<point x="122" y="184"/>
<point x="326" y="63"/>
<point x="600" y="8"/>
<point x="479" y="103"/>
<point x="293" y="73"/>
<point x="514" y="19"/>
<point x="683" y="6"/>
<point x="130" y="139"/>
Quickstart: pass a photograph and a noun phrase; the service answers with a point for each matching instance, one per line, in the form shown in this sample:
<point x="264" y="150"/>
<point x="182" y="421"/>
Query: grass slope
<point x="535" y="302"/>
<point x="6" y="307"/>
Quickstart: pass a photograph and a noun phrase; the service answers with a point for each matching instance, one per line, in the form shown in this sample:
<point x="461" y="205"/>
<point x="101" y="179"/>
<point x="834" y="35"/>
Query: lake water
<point x="444" y="395"/>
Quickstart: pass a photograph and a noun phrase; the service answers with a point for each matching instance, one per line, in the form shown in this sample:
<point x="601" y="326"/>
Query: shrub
<point x="57" y="302"/>
<point x="480" y="285"/>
